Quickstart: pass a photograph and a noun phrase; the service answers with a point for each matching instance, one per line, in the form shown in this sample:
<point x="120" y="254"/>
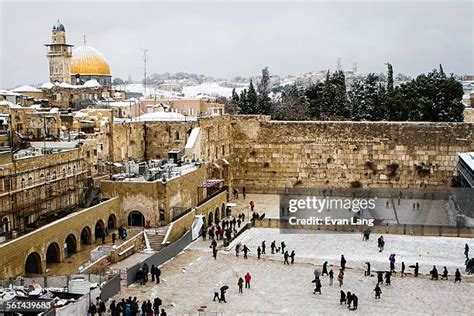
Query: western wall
<point x="268" y="156"/>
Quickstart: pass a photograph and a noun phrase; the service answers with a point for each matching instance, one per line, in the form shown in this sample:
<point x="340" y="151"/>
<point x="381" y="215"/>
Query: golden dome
<point x="88" y="61"/>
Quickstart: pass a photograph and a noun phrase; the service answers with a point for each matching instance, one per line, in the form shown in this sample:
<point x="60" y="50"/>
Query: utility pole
<point x="145" y="59"/>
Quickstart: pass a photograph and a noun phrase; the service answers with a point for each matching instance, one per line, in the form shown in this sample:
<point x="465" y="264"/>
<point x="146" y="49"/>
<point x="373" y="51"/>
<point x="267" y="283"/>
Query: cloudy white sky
<point x="231" y="38"/>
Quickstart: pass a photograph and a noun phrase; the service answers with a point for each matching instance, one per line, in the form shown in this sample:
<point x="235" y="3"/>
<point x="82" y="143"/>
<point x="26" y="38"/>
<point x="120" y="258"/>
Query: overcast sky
<point x="240" y="38"/>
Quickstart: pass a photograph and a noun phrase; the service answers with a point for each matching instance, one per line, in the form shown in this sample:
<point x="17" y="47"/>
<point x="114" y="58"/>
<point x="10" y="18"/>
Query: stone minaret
<point x="59" y="56"/>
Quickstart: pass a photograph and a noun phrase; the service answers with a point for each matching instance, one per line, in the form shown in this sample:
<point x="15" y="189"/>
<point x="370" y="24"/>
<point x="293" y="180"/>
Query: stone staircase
<point x="156" y="237"/>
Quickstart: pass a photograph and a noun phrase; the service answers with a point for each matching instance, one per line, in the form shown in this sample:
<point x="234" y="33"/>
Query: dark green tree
<point x="263" y="89"/>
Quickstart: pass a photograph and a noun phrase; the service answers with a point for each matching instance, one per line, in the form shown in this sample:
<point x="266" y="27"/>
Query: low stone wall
<point x="415" y="230"/>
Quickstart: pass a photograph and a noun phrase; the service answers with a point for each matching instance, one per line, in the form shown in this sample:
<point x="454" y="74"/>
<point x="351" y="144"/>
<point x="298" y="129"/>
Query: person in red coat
<point x="248" y="277"/>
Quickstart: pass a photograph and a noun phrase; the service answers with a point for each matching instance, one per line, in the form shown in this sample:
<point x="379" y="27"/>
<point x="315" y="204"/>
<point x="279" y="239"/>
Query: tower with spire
<point x="59" y="55"/>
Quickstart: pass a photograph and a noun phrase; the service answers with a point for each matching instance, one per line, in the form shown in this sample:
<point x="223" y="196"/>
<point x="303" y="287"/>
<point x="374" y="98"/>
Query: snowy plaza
<point x="188" y="280"/>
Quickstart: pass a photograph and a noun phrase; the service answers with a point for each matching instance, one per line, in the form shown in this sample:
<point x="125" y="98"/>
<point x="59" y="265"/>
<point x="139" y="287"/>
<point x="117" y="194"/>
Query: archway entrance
<point x="112" y="222"/>
<point x="71" y="245"/>
<point x="86" y="235"/>
<point x="99" y="229"/>
<point x="209" y="219"/>
<point x="216" y="215"/>
<point x="136" y="218"/>
<point x="33" y="263"/>
<point x="52" y="253"/>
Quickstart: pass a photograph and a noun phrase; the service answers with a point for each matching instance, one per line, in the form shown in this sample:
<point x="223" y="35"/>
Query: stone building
<point x="59" y="55"/>
<point x="37" y="186"/>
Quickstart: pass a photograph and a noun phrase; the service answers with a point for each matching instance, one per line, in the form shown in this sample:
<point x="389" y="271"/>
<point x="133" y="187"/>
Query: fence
<point x="161" y="256"/>
<point x="111" y="287"/>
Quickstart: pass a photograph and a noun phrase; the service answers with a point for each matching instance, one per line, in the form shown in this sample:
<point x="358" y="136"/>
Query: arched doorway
<point x="99" y="229"/>
<point x="136" y="218"/>
<point x="52" y="253"/>
<point x="209" y="219"/>
<point x="33" y="263"/>
<point x="86" y="235"/>
<point x="216" y="215"/>
<point x="71" y="245"/>
<point x="112" y="222"/>
<point x="223" y="214"/>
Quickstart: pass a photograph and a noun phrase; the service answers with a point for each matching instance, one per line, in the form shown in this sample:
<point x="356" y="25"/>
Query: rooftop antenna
<point x="145" y="59"/>
<point x="84" y="39"/>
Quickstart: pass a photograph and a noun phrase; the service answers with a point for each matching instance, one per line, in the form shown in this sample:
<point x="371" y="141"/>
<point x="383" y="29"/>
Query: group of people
<point x="350" y="299"/>
<point x="142" y="274"/>
<point x="220" y="289"/>
<point x="236" y="193"/>
<point x="131" y="307"/>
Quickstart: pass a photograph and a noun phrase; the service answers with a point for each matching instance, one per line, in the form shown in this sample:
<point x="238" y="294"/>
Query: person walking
<point x="325" y="268"/>
<point x="114" y="237"/>
<point x="214" y="253"/>
<point x="340" y="277"/>
<point x="343" y="298"/>
<point x="434" y="273"/>
<point x="285" y="256"/>
<point x="355" y="302"/>
<point x="417" y="269"/>
<point x="217" y="289"/>
<point x="248" y="277"/>
<point x="240" y="283"/>
<point x="466" y="251"/>
<point x="377" y="291"/>
<point x="379" y="277"/>
<point x="445" y="274"/>
<point x="388" y="276"/>
<point x="273" y="246"/>
<point x="457" y="276"/>
<point x="259" y="252"/>
<point x="367" y="272"/>
<point x="403" y="269"/>
<point x="246" y="250"/>
<point x="157" y="274"/>
<point x="243" y="193"/>
<point x="282" y="246"/>
<point x="318" y="287"/>
<point x="292" y="256"/>
<point x="263" y="247"/>
<point x="343" y="263"/>
<point x="331" y="277"/>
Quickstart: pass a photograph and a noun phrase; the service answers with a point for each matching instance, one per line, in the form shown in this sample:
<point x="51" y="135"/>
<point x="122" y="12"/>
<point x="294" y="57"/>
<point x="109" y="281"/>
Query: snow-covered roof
<point x="468" y="158"/>
<point x="10" y="105"/>
<point x="163" y="116"/>
<point x="8" y="92"/>
<point x="47" y="85"/>
<point x="81" y="114"/>
<point x="93" y="83"/>
<point x="26" y="88"/>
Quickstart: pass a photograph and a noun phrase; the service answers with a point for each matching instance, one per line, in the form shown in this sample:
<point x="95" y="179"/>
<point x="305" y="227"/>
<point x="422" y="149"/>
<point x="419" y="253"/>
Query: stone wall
<point x="149" y="197"/>
<point x="469" y="115"/>
<point x="128" y="142"/>
<point x="270" y="155"/>
<point x="161" y="137"/>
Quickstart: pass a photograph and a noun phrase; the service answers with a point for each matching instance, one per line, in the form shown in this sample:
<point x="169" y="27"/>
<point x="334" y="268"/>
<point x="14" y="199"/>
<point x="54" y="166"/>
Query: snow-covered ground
<point x="277" y="289"/>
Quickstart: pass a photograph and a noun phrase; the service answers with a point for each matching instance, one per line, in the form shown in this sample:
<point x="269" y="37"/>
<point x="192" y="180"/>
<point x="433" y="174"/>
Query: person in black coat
<point x="377" y="291"/>
<point x="285" y="256"/>
<point x="292" y="256"/>
<point x="246" y="250"/>
<point x="403" y="270"/>
<point x="318" y="287"/>
<point x="157" y="274"/>
<point x="388" y="276"/>
<point x="343" y="298"/>
<point x="434" y="273"/>
<point x="379" y="277"/>
<point x="457" y="276"/>
<point x="343" y="263"/>
<point x="417" y="269"/>
<point x="325" y="268"/>
<point x="263" y="247"/>
<point x="259" y="252"/>
<point x="92" y="309"/>
<point x="445" y="274"/>
<point x="273" y="246"/>
<point x="355" y="302"/>
<point x="367" y="272"/>
<point x="349" y="299"/>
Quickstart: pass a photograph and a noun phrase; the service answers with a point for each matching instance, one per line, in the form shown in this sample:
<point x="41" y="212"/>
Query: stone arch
<point x="136" y="218"/>
<point x="53" y="253"/>
<point x="99" y="229"/>
<point x="223" y="214"/>
<point x="70" y="245"/>
<point x="216" y="215"/>
<point x="86" y="235"/>
<point x="209" y="219"/>
<point x="112" y="221"/>
<point x="33" y="263"/>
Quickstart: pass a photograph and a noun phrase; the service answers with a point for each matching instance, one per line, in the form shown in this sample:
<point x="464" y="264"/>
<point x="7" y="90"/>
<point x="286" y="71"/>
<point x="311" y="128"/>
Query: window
<point x="22" y="183"/>
<point x="30" y="181"/>
<point x="6" y="184"/>
<point x="223" y="150"/>
<point x="176" y="135"/>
